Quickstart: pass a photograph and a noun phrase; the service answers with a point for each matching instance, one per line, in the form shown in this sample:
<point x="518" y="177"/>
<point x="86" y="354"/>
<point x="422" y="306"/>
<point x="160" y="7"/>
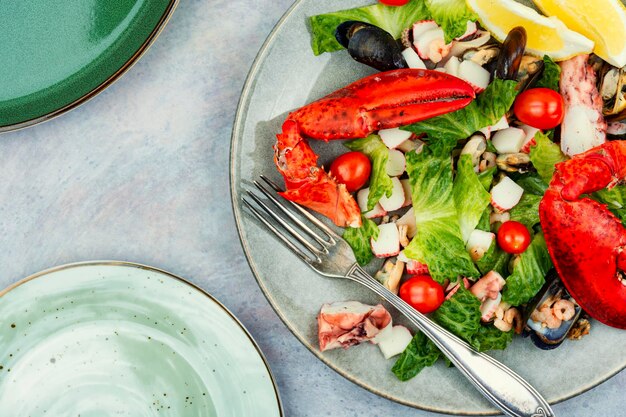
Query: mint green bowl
<point x="119" y="339"/>
<point x="57" y="54"/>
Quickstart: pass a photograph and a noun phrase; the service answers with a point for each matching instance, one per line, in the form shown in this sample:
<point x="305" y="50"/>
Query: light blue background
<point x="140" y="173"/>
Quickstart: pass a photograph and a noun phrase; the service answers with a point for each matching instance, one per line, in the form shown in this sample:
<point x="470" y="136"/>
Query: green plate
<point x="56" y="54"/>
<point x="117" y="339"/>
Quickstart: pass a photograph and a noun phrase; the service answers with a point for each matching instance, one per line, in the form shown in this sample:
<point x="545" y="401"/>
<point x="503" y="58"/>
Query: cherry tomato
<point x="352" y="169"/>
<point x="394" y="2"/>
<point x="422" y="293"/>
<point x="513" y="237"/>
<point x="539" y="107"/>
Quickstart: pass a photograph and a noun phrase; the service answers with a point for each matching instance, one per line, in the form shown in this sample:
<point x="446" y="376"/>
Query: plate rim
<point x="236" y="136"/>
<point x="136" y="265"/>
<point x="143" y="48"/>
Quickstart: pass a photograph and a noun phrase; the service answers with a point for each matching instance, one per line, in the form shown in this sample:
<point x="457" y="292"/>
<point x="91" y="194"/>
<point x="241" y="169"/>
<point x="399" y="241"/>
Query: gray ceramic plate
<point x="285" y="76"/>
<point x="113" y="338"/>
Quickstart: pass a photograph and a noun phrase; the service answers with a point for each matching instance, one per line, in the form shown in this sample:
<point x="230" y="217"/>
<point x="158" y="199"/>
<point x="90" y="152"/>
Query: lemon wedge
<point x="546" y="35"/>
<point x="603" y="21"/>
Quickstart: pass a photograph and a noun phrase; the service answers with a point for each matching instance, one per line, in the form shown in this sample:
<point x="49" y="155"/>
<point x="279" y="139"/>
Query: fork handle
<point x="500" y="385"/>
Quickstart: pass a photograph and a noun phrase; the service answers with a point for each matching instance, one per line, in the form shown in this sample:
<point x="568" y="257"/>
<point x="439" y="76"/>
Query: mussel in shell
<point x="483" y="54"/>
<point x="613" y="90"/>
<point x="370" y="45"/>
<point x="514" y="162"/>
<point x="530" y="71"/>
<point x="551" y="314"/>
<point x="612" y="87"/>
<point x="510" y="58"/>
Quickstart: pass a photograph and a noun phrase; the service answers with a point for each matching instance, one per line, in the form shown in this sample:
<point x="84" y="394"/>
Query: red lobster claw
<point x="586" y="241"/>
<point x="381" y="101"/>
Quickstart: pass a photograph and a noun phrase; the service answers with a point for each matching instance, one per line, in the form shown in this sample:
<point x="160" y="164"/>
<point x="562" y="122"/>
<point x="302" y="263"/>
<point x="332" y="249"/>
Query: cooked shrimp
<point x="564" y="310"/>
<point x="514" y="317"/>
<point x="502" y="325"/>
<point x="551" y="321"/>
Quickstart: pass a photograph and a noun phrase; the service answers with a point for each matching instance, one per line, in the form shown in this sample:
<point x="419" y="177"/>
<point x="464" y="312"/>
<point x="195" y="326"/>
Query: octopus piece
<point x="488" y="286"/>
<point x="583" y="126"/>
<point x="347" y="323"/>
<point x="488" y="308"/>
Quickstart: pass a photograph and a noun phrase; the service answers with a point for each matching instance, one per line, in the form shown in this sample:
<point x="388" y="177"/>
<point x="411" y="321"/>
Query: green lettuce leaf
<point x="392" y="19"/>
<point x="470" y="197"/>
<point x="551" y="74"/>
<point x="460" y="314"/>
<point x="484" y="223"/>
<point x="490" y="337"/>
<point x="378" y="153"/>
<point x="532" y="184"/>
<point x="486" y="177"/>
<point x="420" y="353"/>
<point x="529" y="273"/>
<point x="486" y="110"/>
<point x="438" y="243"/>
<point x="527" y="210"/>
<point x="495" y="259"/>
<point x="452" y="16"/>
<point x="359" y="239"/>
<point x="615" y="199"/>
<point x="544" y="155"/>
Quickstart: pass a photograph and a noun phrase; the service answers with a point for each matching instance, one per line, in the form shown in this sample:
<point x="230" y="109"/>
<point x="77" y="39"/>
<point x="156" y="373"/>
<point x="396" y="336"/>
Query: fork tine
<point x="289" y="214"/>
<point x="329" y="232"/>
<point x="277" y="232"/>
<point x="287" y="226"/>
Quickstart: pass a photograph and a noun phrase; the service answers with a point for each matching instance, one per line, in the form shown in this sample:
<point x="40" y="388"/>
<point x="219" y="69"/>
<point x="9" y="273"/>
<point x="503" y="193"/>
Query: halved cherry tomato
<point x="422" y="293"/>
<point x="394" y="2"/>
<point x="539" y="107"/>
<point x="513" y="237"/>
<point x="352" y="169"/>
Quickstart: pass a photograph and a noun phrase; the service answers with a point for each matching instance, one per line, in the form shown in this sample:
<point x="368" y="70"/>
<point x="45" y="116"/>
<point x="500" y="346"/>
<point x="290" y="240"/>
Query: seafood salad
<point x="483" y="169"/>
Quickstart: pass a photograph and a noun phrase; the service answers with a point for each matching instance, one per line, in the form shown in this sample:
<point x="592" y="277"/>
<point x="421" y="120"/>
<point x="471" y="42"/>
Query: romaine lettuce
<point x="378" y="153"/>
<point x="438" y="243"/>
<point x="551" y="74"/>
<point x="484" y="222"/>
<point x="529" y="273"/>
<point x="420" y="353"/>
<point x="392" y="19"/>
<point x="527" y="210"/>
<point x="452" y="16"/>
<point x="359" y="239"/>
<point x="544" y="155"/>
<point x="615" y="199"/>
<point x="470" y="197"/>
<point x="486" y="177"/>
<point x="495" y="259"/>
<point x="460" y="314"/>
<point x="486" y="110"/>
<point x="532" y="184"/>
<point x="490" y="337"/>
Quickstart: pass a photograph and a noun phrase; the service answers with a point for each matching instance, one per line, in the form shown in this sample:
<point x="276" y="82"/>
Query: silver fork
<point x="332" y="257"/>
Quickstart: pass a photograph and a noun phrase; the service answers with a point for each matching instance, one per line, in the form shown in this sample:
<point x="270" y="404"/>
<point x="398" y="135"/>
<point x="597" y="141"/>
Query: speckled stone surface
<point x="140" y="173"/>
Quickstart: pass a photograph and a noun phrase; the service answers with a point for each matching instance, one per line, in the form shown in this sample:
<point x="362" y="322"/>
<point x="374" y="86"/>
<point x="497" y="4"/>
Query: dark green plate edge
<point x="51" y="113"/>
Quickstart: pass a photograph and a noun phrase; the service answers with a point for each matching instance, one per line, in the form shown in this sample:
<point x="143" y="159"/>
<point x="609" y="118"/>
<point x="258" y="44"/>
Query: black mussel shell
<point x="546" y="338"/>
<point x="543" y="343"/>
<point x="533" y="78"/>
<point x="513" y="49"/>
<point x="370" y="45"/>
<point x="345" y="30"/>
